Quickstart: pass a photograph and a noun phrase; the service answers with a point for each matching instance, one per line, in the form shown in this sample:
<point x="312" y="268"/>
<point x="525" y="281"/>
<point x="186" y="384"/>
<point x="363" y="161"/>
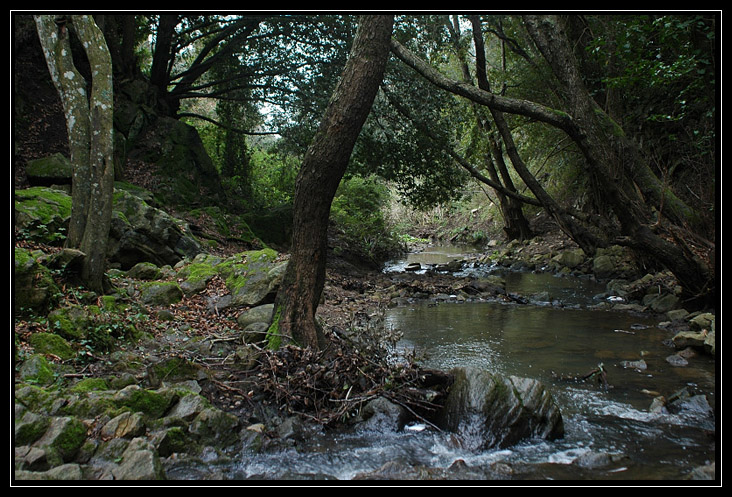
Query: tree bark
<point x="89" y="125"/>
<point x="320" y="174"/>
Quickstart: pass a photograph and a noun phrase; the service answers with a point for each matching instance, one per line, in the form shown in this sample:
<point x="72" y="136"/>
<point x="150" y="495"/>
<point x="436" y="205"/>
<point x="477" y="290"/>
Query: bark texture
<point x="90" y="130"/>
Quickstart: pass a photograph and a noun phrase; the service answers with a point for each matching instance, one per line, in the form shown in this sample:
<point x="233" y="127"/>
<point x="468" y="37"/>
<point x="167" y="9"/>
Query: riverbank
<point x="186" y="395"/>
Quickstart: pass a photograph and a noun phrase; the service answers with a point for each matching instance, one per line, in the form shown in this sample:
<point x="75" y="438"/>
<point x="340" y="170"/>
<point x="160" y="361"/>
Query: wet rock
<point x="639" y="365"/>
<point x="686" y="339"/>
<point x="380" y="414"/>
<point x="677" y="360"/>
<point x="489" y="410"/>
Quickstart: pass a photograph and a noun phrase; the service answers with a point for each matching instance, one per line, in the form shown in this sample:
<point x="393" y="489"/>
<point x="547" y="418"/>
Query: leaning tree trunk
<point x="320" y="174"/>
<point x="89" y="127"/>
<point x="620" y="171"/>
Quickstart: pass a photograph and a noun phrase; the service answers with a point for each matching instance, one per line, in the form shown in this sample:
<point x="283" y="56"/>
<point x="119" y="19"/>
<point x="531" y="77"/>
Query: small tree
<point x="89" y="127"/>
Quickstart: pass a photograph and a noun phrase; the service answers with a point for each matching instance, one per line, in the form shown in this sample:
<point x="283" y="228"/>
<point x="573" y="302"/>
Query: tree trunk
<point x="320" y="174"/>
<point x="89" y="125"/>
<point x="620" y="171"/>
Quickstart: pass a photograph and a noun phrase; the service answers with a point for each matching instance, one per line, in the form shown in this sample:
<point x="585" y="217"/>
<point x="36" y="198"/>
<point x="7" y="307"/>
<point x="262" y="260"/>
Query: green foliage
<point x="357" y="211"/>
<point x="665" y="71"/>
<point x="273" y="178"/>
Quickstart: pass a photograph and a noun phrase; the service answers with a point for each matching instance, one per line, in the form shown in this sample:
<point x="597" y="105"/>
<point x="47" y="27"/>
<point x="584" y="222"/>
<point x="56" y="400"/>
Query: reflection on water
<point x="546" y="342"/>
<point x="550" y="343"/>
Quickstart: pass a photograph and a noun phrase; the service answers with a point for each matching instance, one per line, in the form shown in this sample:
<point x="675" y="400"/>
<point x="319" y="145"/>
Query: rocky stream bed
<point x="170" y="377"/>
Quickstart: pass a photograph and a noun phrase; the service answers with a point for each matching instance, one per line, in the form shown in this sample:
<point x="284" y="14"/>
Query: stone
<point x="685" y="339"/>
<point x="140" y="461"/>
<point x="160" y="293"/>
<point x="65" y="436"/>
<point x="42" y="214"/>
<point x="488" y="410"/>
<point x="144" y="271"/>
<point x="33" y="287"/>
<point x="382" y="415"/>
<point x="259" y="314"/>
<point x="216" y="427"/>
<point x="704" y="321"/>
<point x="188" y="407"/>
<point x="126" y="425"/>
<point x="50" y="170"/>
<point x="142" y="233"/>
<point x="570" y="258"/>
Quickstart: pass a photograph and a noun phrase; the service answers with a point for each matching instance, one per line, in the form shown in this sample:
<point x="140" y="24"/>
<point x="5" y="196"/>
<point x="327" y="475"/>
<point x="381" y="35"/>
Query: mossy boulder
<point x="36" y="369"/>
<point x="64" y="437"/>
<point x="50" y="343"/>
<point x="162" y="293"/>
<point x="42" y="214"/>
<point x="253" y="277"/>
<point x="196" y="277"/>
<point x="54" y="169"/>
<point x="185" y="172"/>
<point x="570" y="258"/>
<point x="151" y="403"/>
<point x="614" y="262"/>
<point x="69" y="322"/>
<point x="144" y="271"/>
<point x="142" y="233"/>
<point x="90" y="385"/>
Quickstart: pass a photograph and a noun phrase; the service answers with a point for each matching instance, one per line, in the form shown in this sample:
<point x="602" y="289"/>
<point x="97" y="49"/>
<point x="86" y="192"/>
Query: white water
<point x="539" y="341"/>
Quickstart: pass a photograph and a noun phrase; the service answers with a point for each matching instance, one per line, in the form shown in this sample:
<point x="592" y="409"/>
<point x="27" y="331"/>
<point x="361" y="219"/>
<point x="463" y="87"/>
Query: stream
<point x="609" y="434"/>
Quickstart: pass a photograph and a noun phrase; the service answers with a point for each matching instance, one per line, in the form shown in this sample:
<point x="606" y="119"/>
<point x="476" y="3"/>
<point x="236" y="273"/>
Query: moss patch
<point x="50" y="343"/>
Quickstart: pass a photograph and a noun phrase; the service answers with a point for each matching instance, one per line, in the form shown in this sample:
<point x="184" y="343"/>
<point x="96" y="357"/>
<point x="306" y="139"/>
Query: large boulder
<point x="139" y="232"/>
<point x="488" y="410"/>
<point x="253" y="277"/>
<point x="142" y="233"/>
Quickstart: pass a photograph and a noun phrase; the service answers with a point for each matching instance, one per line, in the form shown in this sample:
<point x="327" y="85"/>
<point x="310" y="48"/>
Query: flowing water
<point x="609" y="434"/>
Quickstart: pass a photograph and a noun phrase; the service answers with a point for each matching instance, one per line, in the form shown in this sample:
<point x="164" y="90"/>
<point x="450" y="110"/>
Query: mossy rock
<point x="34" y="288"/>
<point x="162" y="293"/>
<point x="152" y="404"/>
<point x="196" y="277"/>
<point x="144" y="271"/>
<point x="46" y="171"/>
<point x="30" y="428"/>
<point x="90" y="385"/>
<point x="173" y="369"/>
<point x="253" y="277"/>
<point x="50" y="343"/>
<point x="36" y="369"/>
<point x="42" y="214"/>
<point x="64" y="438"/>
<point x="69" y="322"/>
<point x="34" y="398"/>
